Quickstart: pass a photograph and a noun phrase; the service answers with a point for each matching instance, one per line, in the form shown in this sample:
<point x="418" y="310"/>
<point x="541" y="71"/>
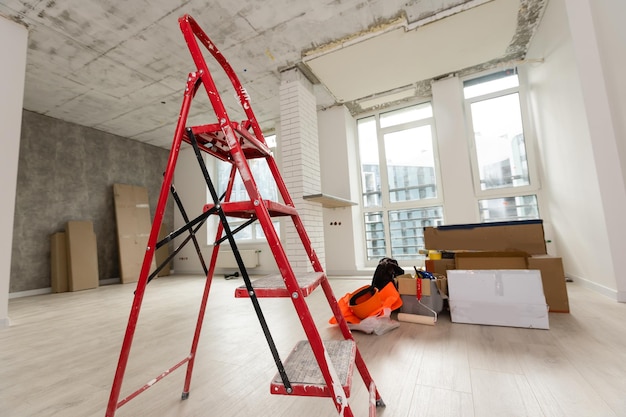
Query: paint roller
<point x="418" y="318"/>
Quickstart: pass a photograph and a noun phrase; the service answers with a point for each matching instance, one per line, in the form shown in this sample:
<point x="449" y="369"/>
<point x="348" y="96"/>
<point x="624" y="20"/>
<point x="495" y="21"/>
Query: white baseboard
<point x="600" y="289"/>
<point x="28" y="293"/>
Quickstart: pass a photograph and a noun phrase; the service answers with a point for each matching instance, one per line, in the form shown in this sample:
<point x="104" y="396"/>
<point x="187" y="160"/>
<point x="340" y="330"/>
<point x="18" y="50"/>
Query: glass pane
<point x="370" y="168"/>
<point x="405" y="115"/>
<point x="499" y="139"/>
<point x="375" y="235"/>
<point x="406" y="228"/>
<point x="508" y="208"/>
<point x="410" y="164"/>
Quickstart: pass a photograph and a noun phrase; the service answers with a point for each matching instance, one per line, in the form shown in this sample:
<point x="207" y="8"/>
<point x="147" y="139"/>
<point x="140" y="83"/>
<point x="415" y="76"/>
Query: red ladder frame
<point x="235" y="143"/>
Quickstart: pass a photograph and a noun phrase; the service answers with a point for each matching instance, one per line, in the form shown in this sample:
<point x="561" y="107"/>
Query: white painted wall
<point x="339" y="175"/>
<point x="13" y="44"/>
<point x="573" y="149"/>
<point x="457" y="185"/>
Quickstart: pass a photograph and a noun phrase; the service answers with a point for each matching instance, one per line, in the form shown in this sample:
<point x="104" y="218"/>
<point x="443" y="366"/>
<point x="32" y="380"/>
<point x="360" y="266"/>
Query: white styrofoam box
<point x="498" y="297"/>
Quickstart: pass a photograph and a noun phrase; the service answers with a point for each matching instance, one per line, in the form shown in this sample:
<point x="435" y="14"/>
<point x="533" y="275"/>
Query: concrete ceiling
<point x="120" y="66"/>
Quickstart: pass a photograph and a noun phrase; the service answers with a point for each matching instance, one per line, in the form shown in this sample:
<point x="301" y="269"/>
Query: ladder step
<point x="274" y="285"/>
<point x="245" y="209"/>
<point x="304" y="373"/>
<point x="211" y="139"/>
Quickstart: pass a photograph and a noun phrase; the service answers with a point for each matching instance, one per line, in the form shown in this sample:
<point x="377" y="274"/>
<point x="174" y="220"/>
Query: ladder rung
<point x="274" y="285"/>
<point x="212" y="139"/>
<point x="304" y="373"/>
<point x="245" y="209"/>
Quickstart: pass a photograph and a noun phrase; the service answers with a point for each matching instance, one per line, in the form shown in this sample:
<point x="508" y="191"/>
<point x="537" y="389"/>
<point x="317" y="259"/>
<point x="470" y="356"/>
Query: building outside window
<point x="399" y="181"/>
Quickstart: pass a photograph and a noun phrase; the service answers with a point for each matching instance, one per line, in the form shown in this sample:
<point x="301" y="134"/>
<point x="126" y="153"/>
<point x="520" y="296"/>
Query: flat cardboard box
<point x="161" y="255"/>
<point x="82" y="256"/>
<point x="526" y="236"/>
<point x="551" y="269"/>
<point x="498" y="297"/>
<point x="132" y="214"/>
<point x="491" y="260"/>
<point x="553" y="279"/>
<point x="58" y="263"/>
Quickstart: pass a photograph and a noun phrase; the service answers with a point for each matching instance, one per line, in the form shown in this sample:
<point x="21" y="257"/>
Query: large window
<point x="265" y="183"/>
<point x="501" y="166"/>
<point x="398" y="180"/>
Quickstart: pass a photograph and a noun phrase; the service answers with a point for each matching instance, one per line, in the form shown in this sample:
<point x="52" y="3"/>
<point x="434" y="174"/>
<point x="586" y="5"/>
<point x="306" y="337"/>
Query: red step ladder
<point x="315" y="367"/>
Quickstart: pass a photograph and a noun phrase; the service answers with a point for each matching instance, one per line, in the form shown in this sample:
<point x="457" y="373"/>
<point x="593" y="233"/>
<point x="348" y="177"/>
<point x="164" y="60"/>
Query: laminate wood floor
<point x="59" y="356"/>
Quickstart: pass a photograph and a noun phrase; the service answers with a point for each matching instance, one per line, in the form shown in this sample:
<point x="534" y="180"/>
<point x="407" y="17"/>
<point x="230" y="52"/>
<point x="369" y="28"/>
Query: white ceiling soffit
<point x="444" y="46"/>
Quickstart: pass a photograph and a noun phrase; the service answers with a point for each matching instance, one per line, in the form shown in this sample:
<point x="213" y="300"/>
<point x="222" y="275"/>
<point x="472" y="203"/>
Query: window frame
<point x="236" y="222"/>
<point x="529" y="141"/>
<point x="386" y="205"/>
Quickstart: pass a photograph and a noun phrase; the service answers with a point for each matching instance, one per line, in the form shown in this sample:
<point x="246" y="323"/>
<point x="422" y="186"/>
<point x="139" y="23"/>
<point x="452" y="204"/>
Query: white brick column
<point x="301" y="165"/>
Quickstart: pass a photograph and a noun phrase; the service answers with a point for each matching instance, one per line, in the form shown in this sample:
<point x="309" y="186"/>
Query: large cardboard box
<point x="82" y="256"/>
<point x="489" y="246"/>
<point x="498" y="297"/>
<point x="553" y="279"/>
<point x="525" y="236"/>
<point x="491" y="260"/>
<point x="132" y="213"/>
<point x="58" y="263"/>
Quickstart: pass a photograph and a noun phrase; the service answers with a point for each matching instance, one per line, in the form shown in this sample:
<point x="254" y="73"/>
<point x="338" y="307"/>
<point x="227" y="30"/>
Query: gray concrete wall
<point x="66" y="172"/>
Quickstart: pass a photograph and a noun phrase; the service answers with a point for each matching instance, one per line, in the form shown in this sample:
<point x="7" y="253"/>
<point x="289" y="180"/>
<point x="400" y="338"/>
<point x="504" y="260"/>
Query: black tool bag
<point x="386" y="272"/>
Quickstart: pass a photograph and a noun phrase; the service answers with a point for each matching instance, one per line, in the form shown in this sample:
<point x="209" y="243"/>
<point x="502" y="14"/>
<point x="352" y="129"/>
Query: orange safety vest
<point x="368" y="301"/>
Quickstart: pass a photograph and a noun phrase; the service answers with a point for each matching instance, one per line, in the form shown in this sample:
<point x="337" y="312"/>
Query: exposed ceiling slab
<point x="121" y="66"/>
<point x="405" y="56"/>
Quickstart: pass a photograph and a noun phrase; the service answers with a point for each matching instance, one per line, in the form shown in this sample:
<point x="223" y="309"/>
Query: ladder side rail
<point x="242" y="164"/>
<point x="190" y="28"/>
<point x="192" y="32"/>
<point x="192" y="86"/>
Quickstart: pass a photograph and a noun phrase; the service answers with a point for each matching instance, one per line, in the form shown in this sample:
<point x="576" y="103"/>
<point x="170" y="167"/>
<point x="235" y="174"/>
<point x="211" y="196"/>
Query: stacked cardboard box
<point x="502" y="245"/>
<point x="74" y="258"/>
<point x="433" y="293"/>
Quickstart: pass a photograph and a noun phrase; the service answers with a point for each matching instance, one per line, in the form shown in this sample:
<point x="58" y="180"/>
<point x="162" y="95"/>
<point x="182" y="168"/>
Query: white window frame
<point x="233" y="222"/>
<point x="529" y="142"/>
<point x="386" y="205"/>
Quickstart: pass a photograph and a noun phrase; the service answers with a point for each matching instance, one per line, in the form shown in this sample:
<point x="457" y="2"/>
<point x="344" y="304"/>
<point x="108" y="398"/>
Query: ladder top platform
<point x="246" y="209"/>
<point x="304" y="372"/>
<point x="211" y="139"/>
<point x="274" y="286"/>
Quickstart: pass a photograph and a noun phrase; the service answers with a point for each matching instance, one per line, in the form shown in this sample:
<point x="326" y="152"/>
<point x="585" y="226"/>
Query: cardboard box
<point x="498" y="297"/>
<point x="525" y="236"/>
<point x="408" y="286"/>
<point x="439" y="266"/>
<point x="553" y="279"/>
<point x="487" y="249"/>
<point x="82" y="256"/>
<point x="491" y="260"/>
<point x="58" y="263"/>
<point x="162" y="254"/>
<point x="132" y="214"/>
